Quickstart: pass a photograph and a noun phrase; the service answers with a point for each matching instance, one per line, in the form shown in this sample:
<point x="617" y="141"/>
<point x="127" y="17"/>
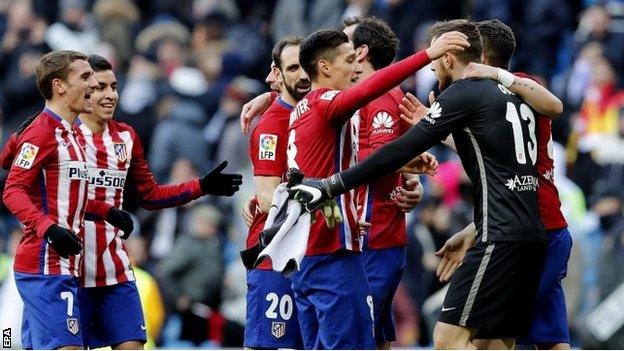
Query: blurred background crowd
<point x="186" y="67"/>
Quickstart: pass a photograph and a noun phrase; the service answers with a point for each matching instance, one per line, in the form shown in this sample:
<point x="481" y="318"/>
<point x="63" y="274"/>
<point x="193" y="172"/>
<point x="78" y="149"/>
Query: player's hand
<point x="478" y="70"/>
<point x="453" y="252"/>
<point x="220" y="184"/>
<point x="252" y="109"/>
<point x="446" y="42"/>
<point x="425" y="163"/>
<point x="121" y="220"/>
<point x="410" y="194"/>
<point x="312" y="193"/>
<point x="249" y="208"/>
<point x="63" y="241"/>
<point x="412" y="110"/>
<point x="331" y="213"/>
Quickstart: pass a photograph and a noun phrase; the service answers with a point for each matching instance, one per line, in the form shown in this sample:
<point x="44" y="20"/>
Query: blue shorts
<point x="51" y="311"/>
<point x="550" y="320"/>
<point x="334" y="302"/>
<point x="384" y="269"/>
<point x="112" y="315"/>
<point x="271" y="312"/>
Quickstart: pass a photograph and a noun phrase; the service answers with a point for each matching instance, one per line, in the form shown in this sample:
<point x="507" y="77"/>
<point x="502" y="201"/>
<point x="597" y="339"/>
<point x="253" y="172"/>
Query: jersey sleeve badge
<point x="268" y="147"/>
<point x="27" y="156"/>
<point x="435" y="111"/>
<point x="329" y="95"/>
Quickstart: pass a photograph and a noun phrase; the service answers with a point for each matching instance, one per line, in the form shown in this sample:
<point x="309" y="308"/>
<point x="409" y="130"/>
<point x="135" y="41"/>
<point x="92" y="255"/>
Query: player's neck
<point x="367" y="71"/>
<point x="62" y="110"/>
<point x="95" y="124"/>
<point x="287" y="98"/>
<point x="323" y="82"/>
<point x="458" y="71"/>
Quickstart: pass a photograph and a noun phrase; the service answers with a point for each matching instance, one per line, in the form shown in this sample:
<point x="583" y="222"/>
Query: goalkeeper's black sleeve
<point x="389" y="158"/>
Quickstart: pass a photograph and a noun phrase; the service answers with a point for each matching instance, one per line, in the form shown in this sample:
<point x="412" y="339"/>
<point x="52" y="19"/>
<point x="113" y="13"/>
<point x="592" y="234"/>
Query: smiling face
<point x="78" y="87"/>
<point x="105" y="96"/>
<point x="343" y="70"/>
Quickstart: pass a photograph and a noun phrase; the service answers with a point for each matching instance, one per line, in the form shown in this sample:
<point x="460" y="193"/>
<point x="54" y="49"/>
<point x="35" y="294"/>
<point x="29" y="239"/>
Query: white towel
<point x="291" y="241"/>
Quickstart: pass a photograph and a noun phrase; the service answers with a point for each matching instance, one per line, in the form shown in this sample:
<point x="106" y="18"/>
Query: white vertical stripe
<point x="46" y="262"/>
<point x="476" y="284"/>
<point x="90" y="229"/>
<point x="343" y="199"/>
<point x="82" y="201"/>
<point x="484" y="187"/>
<point x="63" y="191"/>
<point x="111" y="232"/>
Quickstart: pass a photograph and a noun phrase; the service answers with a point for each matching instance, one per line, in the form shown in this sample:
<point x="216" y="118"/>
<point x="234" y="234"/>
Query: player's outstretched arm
<point x="345" y="103"/>
<point x="534" y="94"/>
<point x="154" y="196"/>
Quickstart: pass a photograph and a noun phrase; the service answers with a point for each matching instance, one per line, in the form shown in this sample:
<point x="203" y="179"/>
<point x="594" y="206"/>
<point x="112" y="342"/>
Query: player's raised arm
<point x="338" y="70"/>
<point x="533" y="93"/>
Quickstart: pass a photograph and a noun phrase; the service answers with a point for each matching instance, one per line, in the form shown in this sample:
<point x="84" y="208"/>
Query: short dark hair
<point x="470" y="29"/>
<point x="276" y="54"/>
<point x="499" y="42"/>
<point x="99" y="63"/>
<point x="55" y="65"/>
<point x="319" y="45"/>
<point x="381" y="41"/>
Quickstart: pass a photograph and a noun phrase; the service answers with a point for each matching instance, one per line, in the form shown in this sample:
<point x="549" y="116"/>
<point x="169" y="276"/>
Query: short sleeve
<point x="267" y="149"/>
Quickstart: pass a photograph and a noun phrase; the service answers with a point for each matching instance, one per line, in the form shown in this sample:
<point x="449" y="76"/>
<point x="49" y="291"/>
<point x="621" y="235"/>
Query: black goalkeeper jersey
<point x="495" y="134"/>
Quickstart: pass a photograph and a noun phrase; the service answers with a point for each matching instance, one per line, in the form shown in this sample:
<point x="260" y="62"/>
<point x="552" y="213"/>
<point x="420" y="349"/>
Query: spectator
<point x="193" y="285"/>
<point x="75" y="31"/>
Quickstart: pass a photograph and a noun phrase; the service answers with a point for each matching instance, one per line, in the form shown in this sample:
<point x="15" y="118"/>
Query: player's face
<point x="292" y="77"/>
<point x="79" y="86"/>
<point x="345" y="70"/>
<point x="270" y="79"/>
<point x="439" y="68"/>
<point x="104" y="98"/>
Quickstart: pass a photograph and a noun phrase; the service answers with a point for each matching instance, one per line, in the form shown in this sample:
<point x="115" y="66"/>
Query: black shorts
<point x="495" y="288"/>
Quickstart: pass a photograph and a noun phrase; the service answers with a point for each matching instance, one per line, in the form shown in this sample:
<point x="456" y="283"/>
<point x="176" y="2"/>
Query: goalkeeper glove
<point x="313" y="193"/>
<point x="63" y="241"/>
<point x="221" y="184"/>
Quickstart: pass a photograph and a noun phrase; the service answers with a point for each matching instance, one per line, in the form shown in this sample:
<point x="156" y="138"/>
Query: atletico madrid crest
<point x="72" y="325"/>
<point x="120" y="152"/>
<point x="278" y="329"/>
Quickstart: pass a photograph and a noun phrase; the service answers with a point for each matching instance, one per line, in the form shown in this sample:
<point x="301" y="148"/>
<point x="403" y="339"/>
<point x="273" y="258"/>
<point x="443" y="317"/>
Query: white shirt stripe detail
<point x="484" y="186"/>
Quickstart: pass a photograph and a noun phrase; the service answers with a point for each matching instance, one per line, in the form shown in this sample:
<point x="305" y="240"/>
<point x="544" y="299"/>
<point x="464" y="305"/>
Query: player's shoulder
<point x="40" y="128"/>
<point x="274" y="120"/>
<point x="322" y="94"/>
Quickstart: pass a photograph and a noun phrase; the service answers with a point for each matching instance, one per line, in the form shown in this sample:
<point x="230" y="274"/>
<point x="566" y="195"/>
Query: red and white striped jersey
<point x="115" y="158"/>
<point x="47" y="184"/>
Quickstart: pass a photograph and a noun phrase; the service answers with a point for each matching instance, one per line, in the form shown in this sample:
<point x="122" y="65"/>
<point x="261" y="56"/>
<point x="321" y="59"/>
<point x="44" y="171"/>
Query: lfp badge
<point x="268" y="147"/>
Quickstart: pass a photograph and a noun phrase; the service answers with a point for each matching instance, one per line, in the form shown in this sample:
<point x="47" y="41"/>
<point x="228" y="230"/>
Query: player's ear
<point x="277" y="73"/>
<point x="58" y="85"/>
<point x="361" y="53"/>
<point x="447" y="60"/>
<point x="484" y="59"/>
<point x="323" y="67"/>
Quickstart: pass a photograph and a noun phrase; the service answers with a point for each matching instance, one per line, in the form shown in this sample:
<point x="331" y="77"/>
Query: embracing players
<point x="494" y="288"/>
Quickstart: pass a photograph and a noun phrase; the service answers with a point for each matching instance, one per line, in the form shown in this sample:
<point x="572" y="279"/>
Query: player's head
<point x="373" y="40"/>
<point x="289" y="75"/>
<point x="66" y="75"/>
<point x="105" y="96"/>
<point x="450" y="66"/>
<point x="499" y="43"/>
<point x="329" y="59"/>
<point x="270" y="79"/>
